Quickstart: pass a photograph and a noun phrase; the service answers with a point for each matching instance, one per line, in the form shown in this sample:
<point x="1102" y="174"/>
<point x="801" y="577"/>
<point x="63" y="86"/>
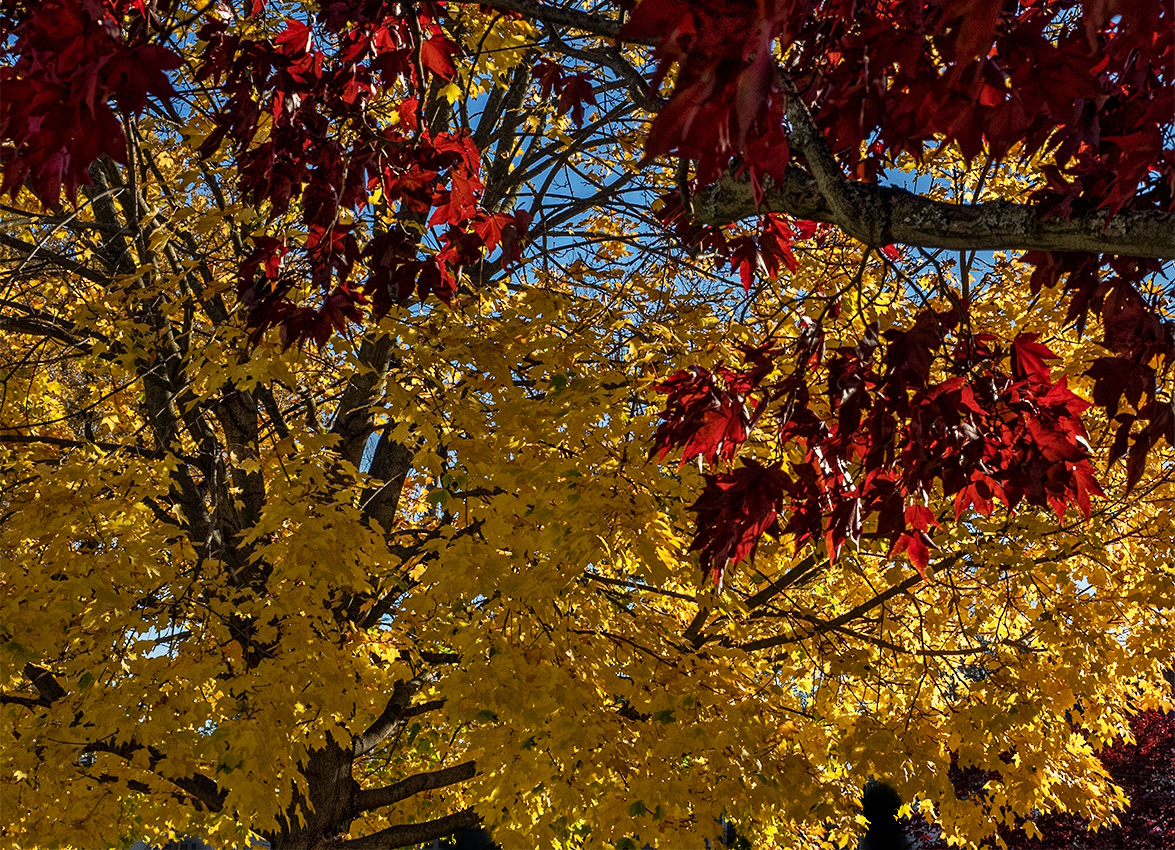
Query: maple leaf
<point x="575" y="92"/>
<point x="55" y="117"/>
<point x="735" y="509"/>
<point x="1028" y="358"/>
<point x="550" y="77"/>
<point x="703" y="417"/>
<point x="915" y="545"/>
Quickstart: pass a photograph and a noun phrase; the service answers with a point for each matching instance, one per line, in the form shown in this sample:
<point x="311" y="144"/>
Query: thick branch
<point x="393" y="716"/>
<point x="910" y="219"/>
<point x="45" y="683"/>
<point x="27" y="702"/>
<point x="367" y="800"/>
<point x="353" y="422"/>
<point x="837" y="622"/>
<point x="560" y="17"/>
<point x="202" y="788"/>
<point x="409" y="834"/>
<point x="28" y="249"/>
<point x="782" y="583"/>
<point x="61" y="443"/>
<point x="390" y="463"/>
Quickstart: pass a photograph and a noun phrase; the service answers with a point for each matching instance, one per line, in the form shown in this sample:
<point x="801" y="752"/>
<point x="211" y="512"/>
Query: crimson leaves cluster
<point x="76" y="71"/>
<point x="71" y="69"/>
<point x="910" y="412"/>
<point x="1085" y="83"/>
<point x="327" y="152"/>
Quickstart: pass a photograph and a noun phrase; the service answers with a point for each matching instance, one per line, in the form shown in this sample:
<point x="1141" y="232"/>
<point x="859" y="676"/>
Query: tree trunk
<point x="320" y="821"/>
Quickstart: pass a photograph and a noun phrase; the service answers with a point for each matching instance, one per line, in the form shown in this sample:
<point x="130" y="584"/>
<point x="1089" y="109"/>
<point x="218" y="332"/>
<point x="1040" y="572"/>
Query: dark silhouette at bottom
<point x="880" y="804"/>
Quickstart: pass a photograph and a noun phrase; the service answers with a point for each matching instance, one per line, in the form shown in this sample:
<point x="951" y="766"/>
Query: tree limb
<point x="366" y="800"/>
<point x="393" y="716"/>
<point x="848" y="616"/>
<point x="28" y="249"/>
<point x="409" y="834"/>
<point x="45" y="683"/>
<point x="202" y="788"/>
<point x="781" y="584"/>
<point x="61" y="443"/>
<point x="903" y="217"/>
<point x="559" y="16"/>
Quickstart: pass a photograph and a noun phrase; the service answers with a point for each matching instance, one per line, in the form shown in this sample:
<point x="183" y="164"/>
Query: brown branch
<point x="27" y="702"/>
<point x="393" y="717"/>
<point x="59" y="442"/>
<point x="560" y="17"/>
<point x="45" y="683"/>
<point x="40" y="325"/>
<point x="629" y="584"/>
<point x="29" y="250"/>
<point x="898" y="216"/>
<point x="409" y="834"/>
<point x="848" y="616"/>
<point x="693" y="632"/>
<point x="366" y="800"/>
<point x="781" y="584"/>
<point x="203" y="789"/>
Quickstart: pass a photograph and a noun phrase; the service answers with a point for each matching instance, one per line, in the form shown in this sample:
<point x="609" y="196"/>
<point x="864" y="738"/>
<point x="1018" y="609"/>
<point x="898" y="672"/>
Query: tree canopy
<point x="596" y="421"/>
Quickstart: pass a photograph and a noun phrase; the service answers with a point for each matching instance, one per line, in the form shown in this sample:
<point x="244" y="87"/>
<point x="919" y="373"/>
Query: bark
<point x="375" y="798"/>
<point x="317" y="819"/>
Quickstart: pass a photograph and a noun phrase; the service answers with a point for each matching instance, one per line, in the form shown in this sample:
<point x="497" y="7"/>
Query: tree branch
<point x="366" y="800"/>
<point x="409" y="834"/>
<point x="393" y="716"/>
<point x="44" y="682"/>
<point x="27" y="702"/>
<point x="848" y="616"/>
<point x="782" y="583"/>
<point x="559" y="16"/>
<point x="61" y="443"/>
<point x="28" y="249"/>
<point x="202" y="788"/>
<point x="910" y="219"/>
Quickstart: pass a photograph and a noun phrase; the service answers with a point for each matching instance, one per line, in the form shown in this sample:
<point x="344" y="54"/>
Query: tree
<point x="328" y="513"/>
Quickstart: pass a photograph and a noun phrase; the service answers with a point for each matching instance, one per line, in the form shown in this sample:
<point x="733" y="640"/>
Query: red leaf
<point x="1028" y="358"/>
<point x="294" y="40"/>
<point x="576" y="91"/>
<point x="754" y="84"/>
<point x="915" y="546"/>
<point x="550" y="75"/>
<point x="735" y="509"/>
<point x="436" y="55"/>
<point x="703" y="418"/>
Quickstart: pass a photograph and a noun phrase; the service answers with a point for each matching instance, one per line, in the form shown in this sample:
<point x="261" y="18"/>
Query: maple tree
<point x="338" y="338"/>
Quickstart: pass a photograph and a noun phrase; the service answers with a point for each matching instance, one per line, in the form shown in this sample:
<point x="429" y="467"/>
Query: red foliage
<point x="983" y="434"/>
<point x="75" y="63"/>
<point x="573" y="90"/>
<point x="734" y="511"/>
<point x="319" y="98"/>
<point x="81" y="67"/>
<point x="1086" y="91"/>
